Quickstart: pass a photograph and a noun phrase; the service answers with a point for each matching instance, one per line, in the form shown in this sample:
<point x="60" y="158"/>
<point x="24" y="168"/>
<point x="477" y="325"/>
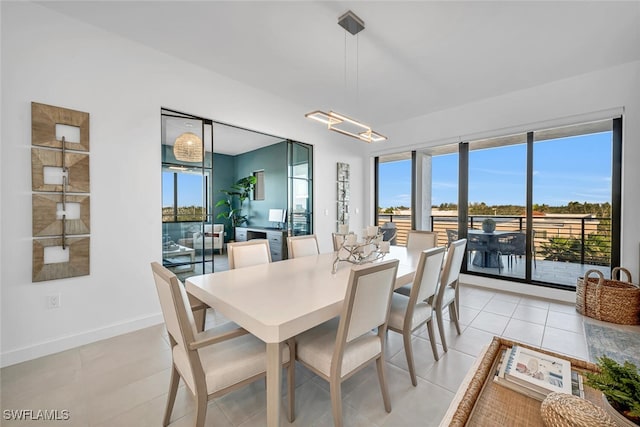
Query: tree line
<point x="602" y="210"/>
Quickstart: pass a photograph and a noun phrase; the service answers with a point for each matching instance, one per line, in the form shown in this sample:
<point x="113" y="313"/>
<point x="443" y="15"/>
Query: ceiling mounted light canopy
<point x="188" y="148"/>
<point x="339" y="122"/>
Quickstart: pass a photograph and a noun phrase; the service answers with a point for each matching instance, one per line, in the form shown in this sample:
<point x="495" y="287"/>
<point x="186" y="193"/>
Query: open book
<point x="533" y="373"/>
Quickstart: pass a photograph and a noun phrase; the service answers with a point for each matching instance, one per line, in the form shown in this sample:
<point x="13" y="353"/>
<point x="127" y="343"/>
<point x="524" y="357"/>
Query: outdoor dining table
<point x="280" y="300"/>
<point x="486" y="247"/>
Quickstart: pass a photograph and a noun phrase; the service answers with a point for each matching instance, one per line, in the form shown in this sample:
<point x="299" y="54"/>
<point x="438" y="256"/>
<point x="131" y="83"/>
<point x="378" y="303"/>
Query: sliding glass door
<point x="188" y="236"/>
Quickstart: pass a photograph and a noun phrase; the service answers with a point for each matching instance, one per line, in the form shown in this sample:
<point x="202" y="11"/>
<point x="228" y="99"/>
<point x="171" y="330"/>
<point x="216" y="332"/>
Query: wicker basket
<point x="565" y="410"/>
<point x="612" y="300"/>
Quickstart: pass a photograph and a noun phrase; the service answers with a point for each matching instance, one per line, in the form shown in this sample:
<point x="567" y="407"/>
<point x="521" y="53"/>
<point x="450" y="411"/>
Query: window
<point x="258" y="188"/>
<point x="539" y="207"/>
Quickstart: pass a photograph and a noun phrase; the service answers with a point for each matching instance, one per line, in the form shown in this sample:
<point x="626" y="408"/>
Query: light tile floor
<point x="123" y="381"/>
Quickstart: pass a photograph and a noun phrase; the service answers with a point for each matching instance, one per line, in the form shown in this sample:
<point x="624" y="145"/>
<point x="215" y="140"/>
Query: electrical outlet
<point x="53" y="301"/>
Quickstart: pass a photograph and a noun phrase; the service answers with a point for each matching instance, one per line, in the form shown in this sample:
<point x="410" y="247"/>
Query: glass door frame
<point x="206" y="169"/>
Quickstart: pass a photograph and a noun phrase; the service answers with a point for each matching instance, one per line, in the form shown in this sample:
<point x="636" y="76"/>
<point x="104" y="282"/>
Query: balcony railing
<point x="562" y="238"/>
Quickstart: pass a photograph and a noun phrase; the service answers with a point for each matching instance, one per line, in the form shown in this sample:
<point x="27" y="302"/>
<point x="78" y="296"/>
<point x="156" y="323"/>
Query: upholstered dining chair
<point x="337" y="349"/>
<point x="448" y="290"/>
<point x="409" y="313"/>
<point x="418" y="239"/>
<point x="338" y="240"/>
<point x="213" y="362"/>
<point x="246" y="254"/>
<point x="299" y="246"/>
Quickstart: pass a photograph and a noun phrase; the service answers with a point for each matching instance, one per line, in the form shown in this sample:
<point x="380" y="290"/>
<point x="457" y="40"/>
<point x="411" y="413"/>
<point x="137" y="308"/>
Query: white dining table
<point x="280" y="300"/>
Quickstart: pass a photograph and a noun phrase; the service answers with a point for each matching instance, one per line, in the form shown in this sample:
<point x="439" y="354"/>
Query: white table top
<point x="279" y="300"/>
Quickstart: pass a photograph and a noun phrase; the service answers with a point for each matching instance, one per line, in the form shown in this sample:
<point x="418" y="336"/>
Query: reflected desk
<point x="280" y="300"/>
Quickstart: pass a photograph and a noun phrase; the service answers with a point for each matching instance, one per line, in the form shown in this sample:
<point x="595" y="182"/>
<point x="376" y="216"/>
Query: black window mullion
<point x="616" y="191"/>
<point x="463" y="195"/>
<point x="529" y="209"/>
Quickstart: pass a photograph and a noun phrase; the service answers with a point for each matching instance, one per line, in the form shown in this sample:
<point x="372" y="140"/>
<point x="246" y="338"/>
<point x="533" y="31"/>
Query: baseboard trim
<point x="68" y="342"/>
<point x="519" y="288"/>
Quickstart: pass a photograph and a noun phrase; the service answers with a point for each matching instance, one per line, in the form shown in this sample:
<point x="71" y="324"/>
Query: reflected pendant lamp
<point x="188" y="148"/>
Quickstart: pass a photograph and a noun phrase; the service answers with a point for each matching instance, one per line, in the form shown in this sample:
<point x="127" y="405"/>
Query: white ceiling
<point x="413" y="57"/>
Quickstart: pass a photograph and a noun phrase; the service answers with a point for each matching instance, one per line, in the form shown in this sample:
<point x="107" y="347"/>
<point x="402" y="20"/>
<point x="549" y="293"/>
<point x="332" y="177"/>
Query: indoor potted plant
<point x="620" y="386"/>
<point x="234" y="201"/>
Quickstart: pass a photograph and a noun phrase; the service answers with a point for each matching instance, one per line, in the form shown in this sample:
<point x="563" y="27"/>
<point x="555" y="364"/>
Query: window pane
<point x="394" y="194"/>
<point x="497" y="215"/>
<point x="444" y="196"/>
<point x="190" y="192"/>
<point x="572" y="203"/>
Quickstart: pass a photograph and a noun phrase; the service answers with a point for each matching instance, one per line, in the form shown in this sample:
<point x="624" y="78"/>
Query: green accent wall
<point x="273" y="160"/>
<point x="224" y="176"/>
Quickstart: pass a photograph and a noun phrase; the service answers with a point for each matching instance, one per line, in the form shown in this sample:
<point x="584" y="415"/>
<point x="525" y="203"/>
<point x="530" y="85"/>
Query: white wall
<point x="583" y="97"/>
<point x="51" y="59"/>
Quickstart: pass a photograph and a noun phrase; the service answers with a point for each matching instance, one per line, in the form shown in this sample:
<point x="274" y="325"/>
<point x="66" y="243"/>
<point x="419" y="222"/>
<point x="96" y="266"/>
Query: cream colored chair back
<point x="246" y="254"/>
<point x="421" y="240"/>
<point x="449" y="291"/>
<point x="338" y="240"/>
<point x="300" y="246"/>
<point x="427" y="277"/>
<point x="176" y="309"/>
<point x="452" y="266"/>
<point x="366" y="305"/>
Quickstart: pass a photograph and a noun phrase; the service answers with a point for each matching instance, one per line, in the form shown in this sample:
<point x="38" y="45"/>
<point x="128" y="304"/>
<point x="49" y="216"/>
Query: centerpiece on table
<point x="371" y="248"/>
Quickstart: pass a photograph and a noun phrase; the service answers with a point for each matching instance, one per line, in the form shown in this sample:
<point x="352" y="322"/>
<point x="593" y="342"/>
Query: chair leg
<point x="201" y="410"/>
<point x="453" y="314"/>
<point x="200" y="317"/>
<point x="336" y="401"/>
<point x="291" y="381"/>
<point x="171" y="397"/>
<point x="408" y="351"/>
<point x="441" y="328"/>
<point x="432" y="338"/>
<point x="383" y="383"/>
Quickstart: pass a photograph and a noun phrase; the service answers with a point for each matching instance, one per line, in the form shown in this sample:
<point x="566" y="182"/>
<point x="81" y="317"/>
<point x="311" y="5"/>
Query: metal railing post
<point x="582" y="241"/>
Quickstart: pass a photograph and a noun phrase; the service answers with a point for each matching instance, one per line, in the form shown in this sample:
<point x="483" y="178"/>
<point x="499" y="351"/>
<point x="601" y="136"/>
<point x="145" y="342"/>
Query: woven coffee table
<point x="481" y="402"/>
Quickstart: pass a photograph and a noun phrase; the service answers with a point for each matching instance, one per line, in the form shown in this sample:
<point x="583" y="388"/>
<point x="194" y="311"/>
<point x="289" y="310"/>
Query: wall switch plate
<point x="53" y="301"/>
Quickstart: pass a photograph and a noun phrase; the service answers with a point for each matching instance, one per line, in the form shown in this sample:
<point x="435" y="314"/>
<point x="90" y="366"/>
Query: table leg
<point x="274" y="380"/>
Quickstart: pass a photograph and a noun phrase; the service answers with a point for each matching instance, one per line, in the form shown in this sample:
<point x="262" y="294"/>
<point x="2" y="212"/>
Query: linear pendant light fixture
<point x="347" y="126"/>
<point x="339" y="122"/>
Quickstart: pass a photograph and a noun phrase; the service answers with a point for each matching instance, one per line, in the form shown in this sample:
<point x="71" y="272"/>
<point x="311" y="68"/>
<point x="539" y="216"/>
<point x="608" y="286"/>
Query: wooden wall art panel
<point x="76" y="163"/>
<point x="43" y="126"/>
<point x="78" y="264"/>
<point x="64" y="149"/>
<point x="47" y="222"/>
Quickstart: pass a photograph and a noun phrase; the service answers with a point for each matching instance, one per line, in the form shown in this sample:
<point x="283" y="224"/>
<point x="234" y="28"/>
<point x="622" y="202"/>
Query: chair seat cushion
<point x="228" y="362"/>
<point x="421" y="313"/>
<point x="315" y="348"/>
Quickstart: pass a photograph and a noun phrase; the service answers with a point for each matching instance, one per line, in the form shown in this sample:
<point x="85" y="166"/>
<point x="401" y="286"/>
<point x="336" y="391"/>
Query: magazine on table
<point x="536" y="374"/>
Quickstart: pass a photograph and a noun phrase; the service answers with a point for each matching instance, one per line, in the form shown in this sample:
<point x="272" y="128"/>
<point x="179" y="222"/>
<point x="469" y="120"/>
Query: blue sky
<point x="565" y="169"/>
<point x="189" y="189"/>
